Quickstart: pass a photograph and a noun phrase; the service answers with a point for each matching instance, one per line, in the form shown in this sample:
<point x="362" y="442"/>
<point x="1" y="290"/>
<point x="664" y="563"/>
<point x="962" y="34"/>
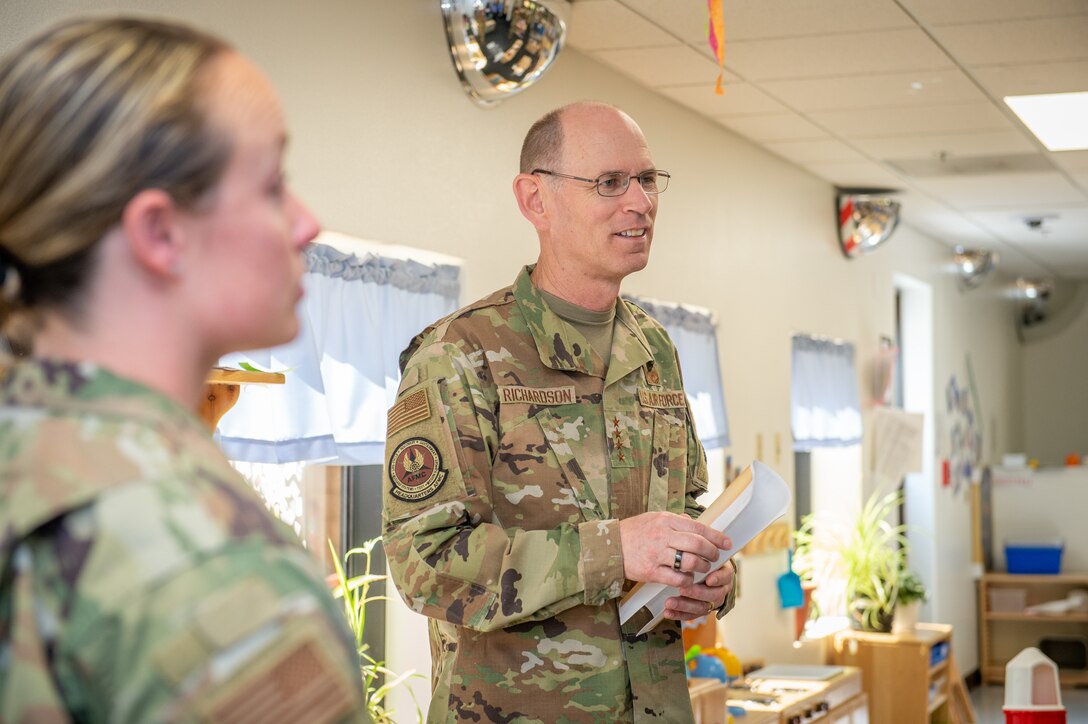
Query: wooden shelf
<point x="1056" y="578"/>
<point x="230" y="376"/>
<point x="1004" y="633"/>
<point x="897" y="674"/>
<point x="1038" y="617"/>
<point x="995" y="673"/>
<point x="223" y="386"/>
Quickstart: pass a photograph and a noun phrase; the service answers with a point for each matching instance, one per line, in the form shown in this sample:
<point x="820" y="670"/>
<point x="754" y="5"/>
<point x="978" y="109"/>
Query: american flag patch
<point x="413" y="408"/>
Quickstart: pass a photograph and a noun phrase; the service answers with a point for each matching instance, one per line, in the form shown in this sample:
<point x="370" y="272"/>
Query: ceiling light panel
<point x="1058" y="120"/>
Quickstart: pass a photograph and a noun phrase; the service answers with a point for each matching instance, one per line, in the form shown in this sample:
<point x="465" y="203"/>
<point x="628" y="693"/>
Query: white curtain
<point x="342" y="370"/>
<point x="694" y="332"/>
<point x="825" y="402"/>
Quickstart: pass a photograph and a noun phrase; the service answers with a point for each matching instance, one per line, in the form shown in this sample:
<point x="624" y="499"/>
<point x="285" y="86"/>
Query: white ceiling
<point x="904" y="94"/>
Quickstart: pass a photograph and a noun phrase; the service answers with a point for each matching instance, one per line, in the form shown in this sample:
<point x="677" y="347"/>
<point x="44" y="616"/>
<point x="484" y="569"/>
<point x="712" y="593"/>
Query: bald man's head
<point x="543" y="144"/>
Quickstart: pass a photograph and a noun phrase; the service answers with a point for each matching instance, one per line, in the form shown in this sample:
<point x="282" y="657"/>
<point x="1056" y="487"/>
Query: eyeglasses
<point x="616" y="182"/>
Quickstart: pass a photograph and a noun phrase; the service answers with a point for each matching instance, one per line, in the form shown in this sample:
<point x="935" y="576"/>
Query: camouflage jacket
<point x="513" y="452"/>
<point x="141" y="579"/>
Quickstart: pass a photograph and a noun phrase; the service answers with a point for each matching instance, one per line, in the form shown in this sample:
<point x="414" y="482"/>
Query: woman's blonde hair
<point x="92" y="112"/>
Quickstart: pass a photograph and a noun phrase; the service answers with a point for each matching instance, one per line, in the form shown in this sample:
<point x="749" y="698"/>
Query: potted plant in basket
<point x="857" y="566"/>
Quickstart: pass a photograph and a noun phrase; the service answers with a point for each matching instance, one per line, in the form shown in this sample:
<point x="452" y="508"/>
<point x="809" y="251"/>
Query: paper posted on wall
<point x="754" y="500"/>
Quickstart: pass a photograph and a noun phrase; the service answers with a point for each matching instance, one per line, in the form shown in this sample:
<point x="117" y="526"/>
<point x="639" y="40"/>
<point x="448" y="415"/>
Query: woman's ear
<point x="530" y="193"/>
<point x="150" y="222"/>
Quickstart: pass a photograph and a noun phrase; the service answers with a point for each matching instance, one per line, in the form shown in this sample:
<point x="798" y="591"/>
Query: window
<point x="694" y="333"/>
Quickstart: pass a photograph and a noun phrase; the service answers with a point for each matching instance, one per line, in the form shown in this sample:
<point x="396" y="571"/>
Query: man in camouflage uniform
<point x="541" y="457"/>
<point x="140" y="578"/>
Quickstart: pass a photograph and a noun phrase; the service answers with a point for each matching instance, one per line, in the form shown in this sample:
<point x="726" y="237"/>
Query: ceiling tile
<point x="875" y="122"/>
<point x="970" y="166"/>
<point x="686" y="19"/>
<point x="835" y="55"/>
<point x="1071" y="160"/>
<point x="605" y="24"/>
<point x="951" y="227"/>
<point x="938" y="12"/>
<point x="754" y="19"/>
<point x="1029" y="79"/>
<point x="945" y="226"/>
<point x="821" y="151"/>
<point x="998" y="190"/>
<point x="739" y="99"/>
<point x="855" y="174"/>
<point x="958" y="144"/>
<point x="829" y="86"/>
<point x="1020" y="41"/>
<point x="761" y="19"/>
<point x="1071" y="261"/>
<point x="772" y="127"/>
<point x="1061" y="225"/>
<point x="933" y="87"/>
<point x="674" y="65"/>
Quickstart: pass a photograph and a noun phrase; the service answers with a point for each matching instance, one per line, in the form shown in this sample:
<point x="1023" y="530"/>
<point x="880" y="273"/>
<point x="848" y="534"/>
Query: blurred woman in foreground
<point x="145" y="231"/>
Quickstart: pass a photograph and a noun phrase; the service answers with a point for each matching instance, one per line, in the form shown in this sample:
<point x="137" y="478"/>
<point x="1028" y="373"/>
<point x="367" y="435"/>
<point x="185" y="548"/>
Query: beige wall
<point x="1056" y="385"/>
<point x="385" y="146"/>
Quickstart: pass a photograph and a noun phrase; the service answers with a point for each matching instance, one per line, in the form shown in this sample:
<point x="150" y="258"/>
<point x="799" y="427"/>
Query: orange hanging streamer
<point x="716" y="37"/>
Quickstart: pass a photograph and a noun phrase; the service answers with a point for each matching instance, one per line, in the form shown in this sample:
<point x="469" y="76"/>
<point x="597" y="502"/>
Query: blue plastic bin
<point x="1033" y="557"/>
<point x="938" y="653"/>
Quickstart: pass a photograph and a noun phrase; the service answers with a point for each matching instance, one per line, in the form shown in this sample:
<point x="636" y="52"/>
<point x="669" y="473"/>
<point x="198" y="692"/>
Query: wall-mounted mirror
<point x="974" y="265"/>
<point x="865" y="222"/>
<point x="500" y="48"/>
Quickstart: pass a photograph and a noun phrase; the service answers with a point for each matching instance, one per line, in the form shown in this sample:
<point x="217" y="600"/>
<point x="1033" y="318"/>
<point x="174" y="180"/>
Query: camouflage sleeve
<point x="168" y="632"/>
<point x="449" y="555"/>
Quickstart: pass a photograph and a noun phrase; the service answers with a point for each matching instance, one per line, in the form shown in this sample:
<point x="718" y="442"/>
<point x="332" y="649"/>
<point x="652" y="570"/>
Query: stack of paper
<point x="749" y="504"/>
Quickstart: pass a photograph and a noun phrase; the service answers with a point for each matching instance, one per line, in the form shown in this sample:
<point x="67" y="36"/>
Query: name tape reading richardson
<point x="537" y="395"/>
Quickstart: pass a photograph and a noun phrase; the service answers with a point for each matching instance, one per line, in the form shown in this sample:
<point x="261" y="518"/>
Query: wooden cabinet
<point x="906" y="676"/>
<point x="1006" y="629"/>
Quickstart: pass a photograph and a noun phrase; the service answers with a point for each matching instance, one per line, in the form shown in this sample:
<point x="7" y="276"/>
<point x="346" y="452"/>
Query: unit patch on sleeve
<point x="415" y="469"/>
<point x="661" y="398"/>
<point x="412" y="409"/>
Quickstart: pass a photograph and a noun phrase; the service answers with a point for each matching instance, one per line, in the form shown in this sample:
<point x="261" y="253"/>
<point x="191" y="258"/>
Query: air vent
<point x="972" y="165"/>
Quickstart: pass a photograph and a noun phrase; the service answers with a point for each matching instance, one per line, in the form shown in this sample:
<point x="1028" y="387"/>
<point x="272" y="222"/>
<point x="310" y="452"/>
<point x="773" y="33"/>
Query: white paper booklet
<point x="749" y="504"/>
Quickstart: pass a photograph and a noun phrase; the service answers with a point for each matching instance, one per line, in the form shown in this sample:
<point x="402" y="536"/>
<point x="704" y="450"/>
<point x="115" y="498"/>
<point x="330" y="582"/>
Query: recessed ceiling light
<point x="1059" y="120"/>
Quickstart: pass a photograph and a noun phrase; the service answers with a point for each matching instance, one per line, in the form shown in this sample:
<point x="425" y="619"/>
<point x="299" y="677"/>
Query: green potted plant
<point x="863" y="560"/>
<point x="912" y="594"/>
<point x="378" y="681"/>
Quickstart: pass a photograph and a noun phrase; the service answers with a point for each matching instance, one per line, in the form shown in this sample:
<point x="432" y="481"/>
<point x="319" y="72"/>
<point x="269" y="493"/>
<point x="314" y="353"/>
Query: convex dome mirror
<point x="500" y="48"/>
<point x="865" y="222"/>
<point x="974" y="265"/>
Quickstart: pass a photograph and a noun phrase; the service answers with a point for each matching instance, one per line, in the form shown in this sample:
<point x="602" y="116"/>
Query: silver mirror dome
<point x="500" y="48"/>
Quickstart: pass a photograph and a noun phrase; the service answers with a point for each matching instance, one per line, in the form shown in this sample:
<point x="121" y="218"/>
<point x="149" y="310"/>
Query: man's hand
<point x="699" y="599"/>
<point x="653" y="543"/>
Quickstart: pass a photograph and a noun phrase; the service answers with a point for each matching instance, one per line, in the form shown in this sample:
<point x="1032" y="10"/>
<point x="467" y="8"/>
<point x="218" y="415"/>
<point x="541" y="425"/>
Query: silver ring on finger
<point x="677" y="559"/>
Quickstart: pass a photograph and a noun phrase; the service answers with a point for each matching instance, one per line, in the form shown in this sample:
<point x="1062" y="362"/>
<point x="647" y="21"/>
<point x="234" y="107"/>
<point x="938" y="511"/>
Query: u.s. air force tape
<point x="415" y="470"/>
<point x="661" y="398"/>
